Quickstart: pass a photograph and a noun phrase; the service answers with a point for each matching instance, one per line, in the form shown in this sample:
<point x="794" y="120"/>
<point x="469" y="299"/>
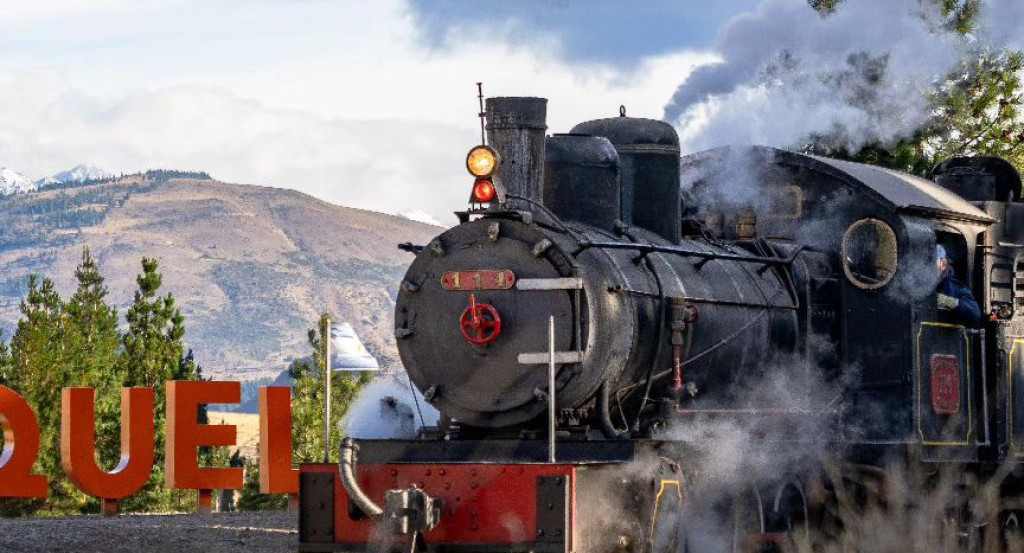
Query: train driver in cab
<point x="955" y="298"/>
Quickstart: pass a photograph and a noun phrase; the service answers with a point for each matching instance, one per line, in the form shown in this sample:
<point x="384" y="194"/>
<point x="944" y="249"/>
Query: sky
<point x="364" y="104"/>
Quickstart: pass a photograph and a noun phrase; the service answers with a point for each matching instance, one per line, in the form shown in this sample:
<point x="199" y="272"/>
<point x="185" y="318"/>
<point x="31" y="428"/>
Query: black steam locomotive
<point x="588" y="309"/>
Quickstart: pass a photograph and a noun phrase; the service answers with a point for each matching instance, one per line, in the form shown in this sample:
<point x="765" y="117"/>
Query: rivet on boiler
<point x="403" y="332"/>
<point x="540" y="247"/>
<point x="436" y="248"/>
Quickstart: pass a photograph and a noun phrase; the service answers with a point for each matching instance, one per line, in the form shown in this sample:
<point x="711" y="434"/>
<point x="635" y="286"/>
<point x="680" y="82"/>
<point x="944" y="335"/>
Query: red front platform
<point x="482" y="504"/>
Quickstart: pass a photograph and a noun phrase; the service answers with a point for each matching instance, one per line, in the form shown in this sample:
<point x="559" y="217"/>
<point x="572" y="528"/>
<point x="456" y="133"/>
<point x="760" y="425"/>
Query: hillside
<point x="252" y="267"/>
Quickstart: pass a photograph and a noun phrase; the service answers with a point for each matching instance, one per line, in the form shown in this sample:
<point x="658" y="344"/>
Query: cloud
<point x="596" y="31"/>
<point x="41" y="10"/>
<point x="339" y="100"/>
<point x="355" y="163"/>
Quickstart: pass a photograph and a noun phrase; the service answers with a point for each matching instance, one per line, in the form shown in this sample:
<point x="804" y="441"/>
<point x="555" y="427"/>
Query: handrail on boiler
<point x="684" y="252"/>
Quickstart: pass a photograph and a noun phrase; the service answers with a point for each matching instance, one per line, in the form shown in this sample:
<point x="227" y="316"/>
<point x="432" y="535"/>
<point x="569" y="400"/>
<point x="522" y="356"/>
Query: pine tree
<point x="152" y="353"/>
<point x="975" y="109"/>
<point x="153" y="345"/>
<point x="93" y="341"/>
<point x="38" y="371"/>
<point x="5" y="366"/>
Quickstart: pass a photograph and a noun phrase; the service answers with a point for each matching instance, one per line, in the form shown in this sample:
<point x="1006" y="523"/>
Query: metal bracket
<point x="410" y="247"/>
<point x="568" y="283"/>
<point x="542" y="358"/>
<point x="409" y="511"/>
<point x="316" y="507"/>
<point x="552" y="508"/>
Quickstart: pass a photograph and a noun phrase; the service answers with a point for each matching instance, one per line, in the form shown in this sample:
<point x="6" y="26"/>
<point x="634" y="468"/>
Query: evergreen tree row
<point x="78" y="342"/>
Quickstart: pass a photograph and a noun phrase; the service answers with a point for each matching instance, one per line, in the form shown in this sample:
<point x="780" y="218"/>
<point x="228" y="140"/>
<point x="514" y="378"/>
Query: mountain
<point x="79" y="173"/>
<point x="251" y="267"/>
<point x="12" y="182"/>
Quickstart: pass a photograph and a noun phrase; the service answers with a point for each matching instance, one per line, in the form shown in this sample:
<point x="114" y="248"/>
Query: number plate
<point x="478" y="280"/>
<point x="945" y="384"/>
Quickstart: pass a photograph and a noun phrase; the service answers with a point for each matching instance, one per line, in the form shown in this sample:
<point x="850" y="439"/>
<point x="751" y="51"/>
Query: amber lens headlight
<point x="481" y="161"/>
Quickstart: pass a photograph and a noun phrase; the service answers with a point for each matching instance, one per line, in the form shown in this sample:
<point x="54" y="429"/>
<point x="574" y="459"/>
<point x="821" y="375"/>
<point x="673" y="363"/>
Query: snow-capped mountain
<point x="421" y="216"/>
<point x="12" y="182"/>
<point x="80" y="173"/>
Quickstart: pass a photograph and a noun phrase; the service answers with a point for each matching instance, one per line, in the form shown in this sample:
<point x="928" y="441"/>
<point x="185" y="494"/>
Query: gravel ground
<point x="217" y="533"/>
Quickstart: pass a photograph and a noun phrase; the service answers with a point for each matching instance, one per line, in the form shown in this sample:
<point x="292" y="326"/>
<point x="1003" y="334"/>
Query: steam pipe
<point x="618" y="288"/>
<point x="662" y="322"/>
<point x="980" y="333"/>
<point x="604" y="417"/>
<point x="349" y="451"/>
<point x="677" y="364"/>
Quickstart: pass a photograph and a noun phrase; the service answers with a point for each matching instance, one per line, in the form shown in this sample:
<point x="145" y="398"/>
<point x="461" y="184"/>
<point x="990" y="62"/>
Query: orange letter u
<point x="78" y="437"/>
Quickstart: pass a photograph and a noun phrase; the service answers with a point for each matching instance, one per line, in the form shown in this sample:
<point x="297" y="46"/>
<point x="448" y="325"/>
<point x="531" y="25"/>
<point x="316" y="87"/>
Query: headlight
<point x="481" y="161"/>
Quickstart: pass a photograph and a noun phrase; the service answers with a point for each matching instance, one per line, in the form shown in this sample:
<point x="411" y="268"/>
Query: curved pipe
<point x="349" y="450"/>
<point x="662" y="322"/>
<point x="604" y="417"/>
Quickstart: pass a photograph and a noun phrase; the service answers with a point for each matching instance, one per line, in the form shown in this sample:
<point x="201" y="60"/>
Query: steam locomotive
<point x="588" y="309"/>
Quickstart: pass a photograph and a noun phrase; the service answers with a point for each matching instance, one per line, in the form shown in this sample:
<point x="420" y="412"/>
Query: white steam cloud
<point x="389" y="408"/>
<point x="858" y="75"/>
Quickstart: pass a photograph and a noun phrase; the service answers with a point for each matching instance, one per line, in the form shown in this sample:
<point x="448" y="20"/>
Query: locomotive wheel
<point x="1011" y="525"/>
<point x="747" y="513"/>
<point x="782" y="520"/>
<point x="788" y="517"/>
<point x="1006" y="531"/>
<point x="824" y="505"/>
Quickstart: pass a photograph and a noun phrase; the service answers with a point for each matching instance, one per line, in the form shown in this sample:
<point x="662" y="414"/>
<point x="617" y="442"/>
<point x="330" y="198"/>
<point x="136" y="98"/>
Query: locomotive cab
<point x="875" y="292"/>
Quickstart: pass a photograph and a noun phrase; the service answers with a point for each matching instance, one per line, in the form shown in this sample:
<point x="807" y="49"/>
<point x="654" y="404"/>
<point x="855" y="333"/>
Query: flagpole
<point x="326" y="336"/>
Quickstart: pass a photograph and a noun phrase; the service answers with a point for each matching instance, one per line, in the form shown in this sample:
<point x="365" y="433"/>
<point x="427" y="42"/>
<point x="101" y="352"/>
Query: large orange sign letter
<point x="78" y="437"/>
<point x="21" y="447"/>
<point x="185" y="435"/>
<point x="276" y="472"/>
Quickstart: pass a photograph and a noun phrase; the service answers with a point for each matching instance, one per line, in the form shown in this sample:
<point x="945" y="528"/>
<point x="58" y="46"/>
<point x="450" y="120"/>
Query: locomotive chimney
<point x="515" y="129"/>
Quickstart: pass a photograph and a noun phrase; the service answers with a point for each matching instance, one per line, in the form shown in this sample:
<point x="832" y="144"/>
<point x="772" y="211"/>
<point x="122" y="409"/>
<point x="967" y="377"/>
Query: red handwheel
<point x="480" y="322"/>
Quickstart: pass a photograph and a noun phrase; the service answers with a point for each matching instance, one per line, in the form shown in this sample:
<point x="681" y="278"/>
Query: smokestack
<point x="515" y="129"/>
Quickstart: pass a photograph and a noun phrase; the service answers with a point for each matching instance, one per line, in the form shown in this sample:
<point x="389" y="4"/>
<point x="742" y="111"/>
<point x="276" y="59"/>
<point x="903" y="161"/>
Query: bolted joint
<point x="436" y="248"/>
<point x="540" y="247"/>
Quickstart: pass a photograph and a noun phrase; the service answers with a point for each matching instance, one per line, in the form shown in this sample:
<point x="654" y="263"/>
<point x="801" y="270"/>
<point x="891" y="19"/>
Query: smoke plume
<point x="858" y="75"/>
